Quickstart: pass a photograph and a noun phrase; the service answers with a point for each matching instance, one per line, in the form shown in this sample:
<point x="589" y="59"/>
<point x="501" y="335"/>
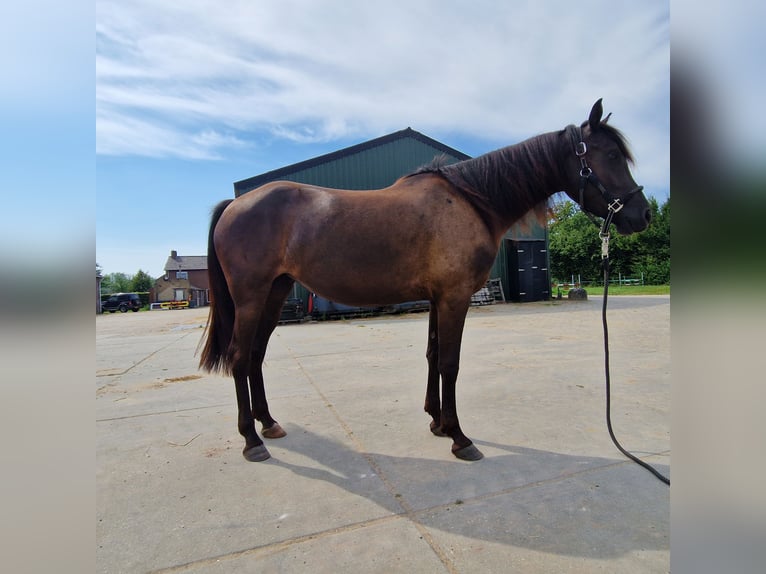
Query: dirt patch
<point x="169" y="381"/>
<point x="180" y="379"/>
<point x="109" y="388"/>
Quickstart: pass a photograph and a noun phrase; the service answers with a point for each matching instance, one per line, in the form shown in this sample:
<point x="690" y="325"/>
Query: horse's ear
<point x="596" y="112"/>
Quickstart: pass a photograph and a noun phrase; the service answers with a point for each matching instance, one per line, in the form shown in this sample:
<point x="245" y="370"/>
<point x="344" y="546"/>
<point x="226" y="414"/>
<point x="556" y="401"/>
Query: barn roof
<point x="371" y="164"/>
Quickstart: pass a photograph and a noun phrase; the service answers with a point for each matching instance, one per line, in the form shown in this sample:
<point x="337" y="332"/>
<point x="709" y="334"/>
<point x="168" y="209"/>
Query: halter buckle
<point x="581" y="149"/>
<point x="615" y="206"/>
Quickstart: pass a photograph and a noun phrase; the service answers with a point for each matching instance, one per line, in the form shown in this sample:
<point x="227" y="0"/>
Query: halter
<point x="613" y="204"/>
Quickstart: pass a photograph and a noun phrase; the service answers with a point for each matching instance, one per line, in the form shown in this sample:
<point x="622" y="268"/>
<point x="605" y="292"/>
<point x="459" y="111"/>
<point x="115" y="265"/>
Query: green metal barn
<point x="522" y="260"/>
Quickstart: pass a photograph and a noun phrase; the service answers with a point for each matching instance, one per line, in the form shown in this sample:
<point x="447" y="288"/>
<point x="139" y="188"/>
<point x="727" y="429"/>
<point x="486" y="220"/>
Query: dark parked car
<point x="122" y="302"/>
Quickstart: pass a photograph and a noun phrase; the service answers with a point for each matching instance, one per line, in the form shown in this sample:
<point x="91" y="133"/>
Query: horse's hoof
<point x="437" y="430"/>
<point x="274" y="431"/>
<point x="256" y="453"/>
<point x="469" y="452"/>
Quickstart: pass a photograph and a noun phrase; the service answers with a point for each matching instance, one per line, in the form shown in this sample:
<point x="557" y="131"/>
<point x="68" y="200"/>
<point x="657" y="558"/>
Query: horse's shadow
<point x="541" y="500"/>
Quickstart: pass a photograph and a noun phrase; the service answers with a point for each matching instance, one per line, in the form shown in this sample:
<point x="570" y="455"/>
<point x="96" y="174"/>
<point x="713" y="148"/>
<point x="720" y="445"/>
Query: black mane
<point x="509" y="181"/>
<point x="516" y="179"/>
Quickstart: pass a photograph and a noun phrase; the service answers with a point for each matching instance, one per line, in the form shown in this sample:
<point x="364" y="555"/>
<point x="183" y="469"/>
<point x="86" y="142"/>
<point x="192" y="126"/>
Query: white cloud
<point x="304" y="70"/>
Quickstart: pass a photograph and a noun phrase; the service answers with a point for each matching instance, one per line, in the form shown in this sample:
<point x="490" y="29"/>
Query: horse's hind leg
<point x="245" y="323"/>
<point x="433" y="404"/>
<point x="268" y="322"/>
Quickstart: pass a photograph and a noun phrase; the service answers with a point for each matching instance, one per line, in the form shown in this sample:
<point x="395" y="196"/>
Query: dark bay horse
<point x="431" y="235"/>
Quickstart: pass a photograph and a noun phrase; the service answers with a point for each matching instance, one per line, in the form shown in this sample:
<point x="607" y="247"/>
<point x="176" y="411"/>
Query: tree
<point x="116" y="283"/>
<point x="575" y="247"/>
<point x="141" y="282"/>
<point x="573" y="243"/>
<point x="648" y="252"/>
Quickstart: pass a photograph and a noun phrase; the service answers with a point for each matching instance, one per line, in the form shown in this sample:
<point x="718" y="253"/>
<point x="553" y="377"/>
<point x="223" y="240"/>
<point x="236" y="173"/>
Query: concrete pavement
<point x="359" y="484"/>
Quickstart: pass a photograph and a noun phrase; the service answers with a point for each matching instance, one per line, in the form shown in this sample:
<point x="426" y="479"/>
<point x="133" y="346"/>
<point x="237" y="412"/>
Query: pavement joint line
<point x="409" y="512"/>
<point x="146" y="358"/>
<point x="140" y="415"/>
<point x="274" y="547"/>
<point x="344" y="352"/>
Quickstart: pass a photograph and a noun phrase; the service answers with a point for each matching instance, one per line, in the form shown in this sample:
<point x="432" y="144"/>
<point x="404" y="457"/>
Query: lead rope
<point x="604" y="234"/>
<point x="613" y="206"/>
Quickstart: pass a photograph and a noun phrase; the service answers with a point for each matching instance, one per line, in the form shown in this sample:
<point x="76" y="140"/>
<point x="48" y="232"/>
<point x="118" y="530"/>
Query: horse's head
<point x="600" y="180"/>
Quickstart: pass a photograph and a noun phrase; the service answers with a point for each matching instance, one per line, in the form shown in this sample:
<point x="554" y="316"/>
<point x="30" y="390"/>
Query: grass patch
<point x="631" y="290"/>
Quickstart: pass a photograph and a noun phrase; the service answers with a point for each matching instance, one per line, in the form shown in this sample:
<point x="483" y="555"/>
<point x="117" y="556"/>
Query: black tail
<point x="220" y="321"/>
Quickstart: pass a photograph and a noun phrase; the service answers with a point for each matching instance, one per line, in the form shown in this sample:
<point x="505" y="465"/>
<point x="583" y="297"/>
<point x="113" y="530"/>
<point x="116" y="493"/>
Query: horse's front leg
<point x="451" y="321"/>
<point x="433" y="404"/>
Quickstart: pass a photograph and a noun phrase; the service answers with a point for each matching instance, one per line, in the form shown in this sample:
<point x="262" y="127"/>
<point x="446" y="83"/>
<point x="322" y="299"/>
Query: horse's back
<point x="379" y="246"/>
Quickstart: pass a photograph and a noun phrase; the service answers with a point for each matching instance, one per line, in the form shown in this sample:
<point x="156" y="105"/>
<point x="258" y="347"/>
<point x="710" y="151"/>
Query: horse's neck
<point x="529" y="173"/>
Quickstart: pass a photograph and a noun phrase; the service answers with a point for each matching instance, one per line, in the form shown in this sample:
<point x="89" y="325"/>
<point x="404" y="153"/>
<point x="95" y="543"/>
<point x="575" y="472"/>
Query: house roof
<point x="186" y="263"/>
<point x="299" y="171"/>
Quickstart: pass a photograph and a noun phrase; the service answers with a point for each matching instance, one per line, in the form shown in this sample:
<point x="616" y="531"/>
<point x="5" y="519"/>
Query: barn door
<point x="532" y="267"/>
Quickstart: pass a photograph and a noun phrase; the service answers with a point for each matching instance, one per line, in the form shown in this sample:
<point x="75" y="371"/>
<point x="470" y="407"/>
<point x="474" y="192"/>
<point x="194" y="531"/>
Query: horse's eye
<point x="613" y="155"/>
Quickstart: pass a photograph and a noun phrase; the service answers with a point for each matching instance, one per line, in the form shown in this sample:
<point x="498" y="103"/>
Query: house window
<point x="182" y="274"/>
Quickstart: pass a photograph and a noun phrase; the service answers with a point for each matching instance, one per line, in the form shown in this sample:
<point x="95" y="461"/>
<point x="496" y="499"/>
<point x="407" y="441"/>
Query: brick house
<point x="185" y="279"/>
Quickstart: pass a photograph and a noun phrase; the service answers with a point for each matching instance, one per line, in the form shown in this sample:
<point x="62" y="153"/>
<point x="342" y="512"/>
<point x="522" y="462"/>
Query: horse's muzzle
<point x="647" y="211"/>
<point x="647" y="214"/>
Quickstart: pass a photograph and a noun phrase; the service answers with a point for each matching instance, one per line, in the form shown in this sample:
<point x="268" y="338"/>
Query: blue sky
<point x="191" y="97"/>
<point x="47" y="136"/>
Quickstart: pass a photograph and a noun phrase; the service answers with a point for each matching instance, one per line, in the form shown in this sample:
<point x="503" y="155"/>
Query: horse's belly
<point x="364" y="289"/>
